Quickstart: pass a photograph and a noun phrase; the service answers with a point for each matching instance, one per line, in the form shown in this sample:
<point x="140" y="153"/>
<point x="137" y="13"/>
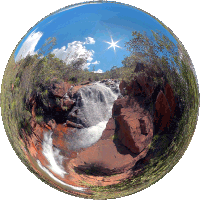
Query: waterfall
<point x="94" y="105"/>
<point x="52" y="155"/>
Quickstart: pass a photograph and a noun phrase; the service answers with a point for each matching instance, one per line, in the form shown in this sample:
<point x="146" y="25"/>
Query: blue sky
<point x="85" y="28"/>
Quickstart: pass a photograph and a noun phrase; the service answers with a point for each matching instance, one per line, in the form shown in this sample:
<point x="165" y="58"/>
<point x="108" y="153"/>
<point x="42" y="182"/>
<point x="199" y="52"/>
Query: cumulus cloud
<point x="29" y="45"/>
<point x="96" y="62"/>
<point x="89" y="40"/>
<point x="98" y="71"/>
<point x="76" y="50"/>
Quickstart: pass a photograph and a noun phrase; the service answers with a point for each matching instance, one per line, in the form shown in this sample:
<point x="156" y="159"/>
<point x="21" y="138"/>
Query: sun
<point x="113" y="44"/>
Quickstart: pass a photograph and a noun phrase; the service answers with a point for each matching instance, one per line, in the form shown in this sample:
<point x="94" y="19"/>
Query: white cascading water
<point x="96" y="109"/>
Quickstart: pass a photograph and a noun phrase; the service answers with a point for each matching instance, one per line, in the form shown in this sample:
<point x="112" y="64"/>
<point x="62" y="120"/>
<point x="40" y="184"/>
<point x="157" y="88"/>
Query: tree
<point x="47" y="46"/>
<point x="153" y="50"/>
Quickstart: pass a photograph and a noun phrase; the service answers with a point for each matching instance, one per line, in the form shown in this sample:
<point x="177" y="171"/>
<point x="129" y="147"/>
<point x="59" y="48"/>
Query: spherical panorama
<point x="99" y="100"/>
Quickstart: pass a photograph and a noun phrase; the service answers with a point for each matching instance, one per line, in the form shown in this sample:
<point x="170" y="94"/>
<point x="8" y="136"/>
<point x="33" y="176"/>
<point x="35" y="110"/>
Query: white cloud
<point x="29" y="45"/>
<point x="96" y="62"/>
<point x="98" y="71"/>
<point x="76" y="50"/>
<point x="89" y="40"/>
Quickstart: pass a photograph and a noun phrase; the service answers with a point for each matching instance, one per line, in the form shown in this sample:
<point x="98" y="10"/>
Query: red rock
<point x="68" y="103"/>
<point x="109" y="130"/>
<point x="134" y="88"/>
<point x="162" y="113"/>
<point x="73" y="124"/>
<point x="170" y="98"/>
<point x="74" y="90"/>
<point x="118" y="105"/>
<point x="106" y="158"/>
<point x="33" y="110"/>
<point x="122" y="85"/>
<point x="135" y="129"/>
<point x="52" y="124"/>
<point x="146" y="85"/>
<point x="59" y="90"/>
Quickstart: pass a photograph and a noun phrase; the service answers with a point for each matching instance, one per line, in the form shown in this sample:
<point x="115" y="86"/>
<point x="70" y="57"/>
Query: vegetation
<point x="35" y="75"/>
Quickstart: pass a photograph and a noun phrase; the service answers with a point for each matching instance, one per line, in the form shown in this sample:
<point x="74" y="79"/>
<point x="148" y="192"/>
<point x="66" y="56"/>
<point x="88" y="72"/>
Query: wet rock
<point x="85" y="82"/>
<point x="68" y="103"/>
<point x="73" y="124"/>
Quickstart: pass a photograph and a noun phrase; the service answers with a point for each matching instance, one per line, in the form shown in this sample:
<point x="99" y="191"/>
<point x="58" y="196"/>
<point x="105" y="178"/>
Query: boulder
<point x="135" y="129"/>
<point x="162" y="115"/>
<point x="146" y="85"/>
<point x="85" y="82"/>
<point x="59" y="90"/>
<point x="52" y="124"/>
<point x="73" y="124"/>
<point x="134" y="88"/>
<point x="134" y="125"/>
<point x="73" y="90"/>
<point x="170" y="98"/>
<point x="122" y="86"/>
<point x="69" y="103"/>
<point x="118" y="105"/>
<point x="109" y="130"/>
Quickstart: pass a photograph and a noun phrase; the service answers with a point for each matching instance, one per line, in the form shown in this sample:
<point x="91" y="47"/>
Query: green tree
<point x="47" y="46"/>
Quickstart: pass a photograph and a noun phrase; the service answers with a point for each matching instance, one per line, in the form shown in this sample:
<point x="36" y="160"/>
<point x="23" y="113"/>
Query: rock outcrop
<point x="134" y="124"/>
<point x="162" y="114"/>
<point x="59" y="90"/>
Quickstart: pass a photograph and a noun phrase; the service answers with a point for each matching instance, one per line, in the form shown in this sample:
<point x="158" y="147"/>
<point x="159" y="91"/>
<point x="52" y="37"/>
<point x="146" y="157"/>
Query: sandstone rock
<point x="109" y="130"/>
<point x="133" y="88"/>
<point x="74" y="90"/>
<point x="106" y="158"/>
<point x="162" y="113"/>
<point x="73" y="124"/>
<point x="59" y="90"/>
<point x="118" y="105"/>
<point x="170" y="98"/>
<point x="122" y="86"/>
<point x="85" y="82"/>
<point x="68" y="103"/>
<point x="146" y="84"/>
<point x="52" y="123"/>
<point x="135" y="129"/>
<point x="134" y="124"/>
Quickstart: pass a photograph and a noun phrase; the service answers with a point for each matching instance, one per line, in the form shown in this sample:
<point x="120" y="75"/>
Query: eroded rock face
<point x="134" y="124"/>
<point x="162" y="114"/>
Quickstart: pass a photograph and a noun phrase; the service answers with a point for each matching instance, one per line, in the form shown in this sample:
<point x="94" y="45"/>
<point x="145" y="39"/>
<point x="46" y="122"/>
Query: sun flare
<point x="113" y="44"/>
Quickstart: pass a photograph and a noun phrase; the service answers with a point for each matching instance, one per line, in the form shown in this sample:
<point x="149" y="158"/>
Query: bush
<point x="39" y="118"/>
